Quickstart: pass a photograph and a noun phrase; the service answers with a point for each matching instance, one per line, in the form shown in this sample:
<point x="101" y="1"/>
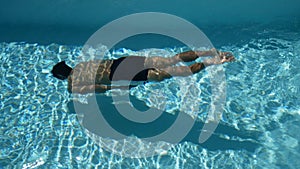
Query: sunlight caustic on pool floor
<point x="262" y="95"/>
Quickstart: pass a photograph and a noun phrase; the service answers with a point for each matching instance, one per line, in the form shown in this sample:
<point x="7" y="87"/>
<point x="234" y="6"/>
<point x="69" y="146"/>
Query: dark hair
<point x="61" y="70"/>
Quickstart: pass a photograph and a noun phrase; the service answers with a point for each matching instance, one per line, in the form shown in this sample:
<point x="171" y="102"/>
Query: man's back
<point x="90" y="73"/>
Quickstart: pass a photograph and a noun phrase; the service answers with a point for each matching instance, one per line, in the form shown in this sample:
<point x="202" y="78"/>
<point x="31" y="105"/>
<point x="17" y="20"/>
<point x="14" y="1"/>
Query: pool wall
<point x="73" y="21"/>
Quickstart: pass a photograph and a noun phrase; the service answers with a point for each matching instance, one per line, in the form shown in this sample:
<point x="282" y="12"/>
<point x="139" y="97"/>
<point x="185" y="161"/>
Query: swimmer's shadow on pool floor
<point x="248" y="140"/>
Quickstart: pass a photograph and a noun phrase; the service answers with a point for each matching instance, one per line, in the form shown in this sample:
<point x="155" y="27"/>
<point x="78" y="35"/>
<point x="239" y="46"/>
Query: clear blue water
<point x="38" y="130"/>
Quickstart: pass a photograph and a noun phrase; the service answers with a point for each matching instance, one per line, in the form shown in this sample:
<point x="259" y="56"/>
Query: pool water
<point x="38" y="130"/>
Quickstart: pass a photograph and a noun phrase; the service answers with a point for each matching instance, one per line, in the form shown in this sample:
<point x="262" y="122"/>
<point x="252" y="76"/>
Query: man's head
<point x="61" y="70"/>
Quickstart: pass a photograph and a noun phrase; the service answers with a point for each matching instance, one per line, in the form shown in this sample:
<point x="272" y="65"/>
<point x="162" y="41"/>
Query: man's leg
<point x="166" y="73"/>
<point x="188" y="56"/>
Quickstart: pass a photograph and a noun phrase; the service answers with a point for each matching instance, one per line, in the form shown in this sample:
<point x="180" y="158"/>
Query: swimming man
<point x="98" y="75"/>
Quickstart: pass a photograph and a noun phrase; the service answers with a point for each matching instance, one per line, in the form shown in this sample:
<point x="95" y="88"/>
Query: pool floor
<point x="39" y="130"/>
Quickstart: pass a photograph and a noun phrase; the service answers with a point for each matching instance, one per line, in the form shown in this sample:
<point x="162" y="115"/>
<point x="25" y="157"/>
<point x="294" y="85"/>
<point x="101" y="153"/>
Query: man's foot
<point x="226" y="56"/>
<point x="219" y="57"/>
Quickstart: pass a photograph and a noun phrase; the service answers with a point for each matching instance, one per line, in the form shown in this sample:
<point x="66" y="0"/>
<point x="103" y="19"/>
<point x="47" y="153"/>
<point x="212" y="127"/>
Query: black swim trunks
<point x="133" y="66"/>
